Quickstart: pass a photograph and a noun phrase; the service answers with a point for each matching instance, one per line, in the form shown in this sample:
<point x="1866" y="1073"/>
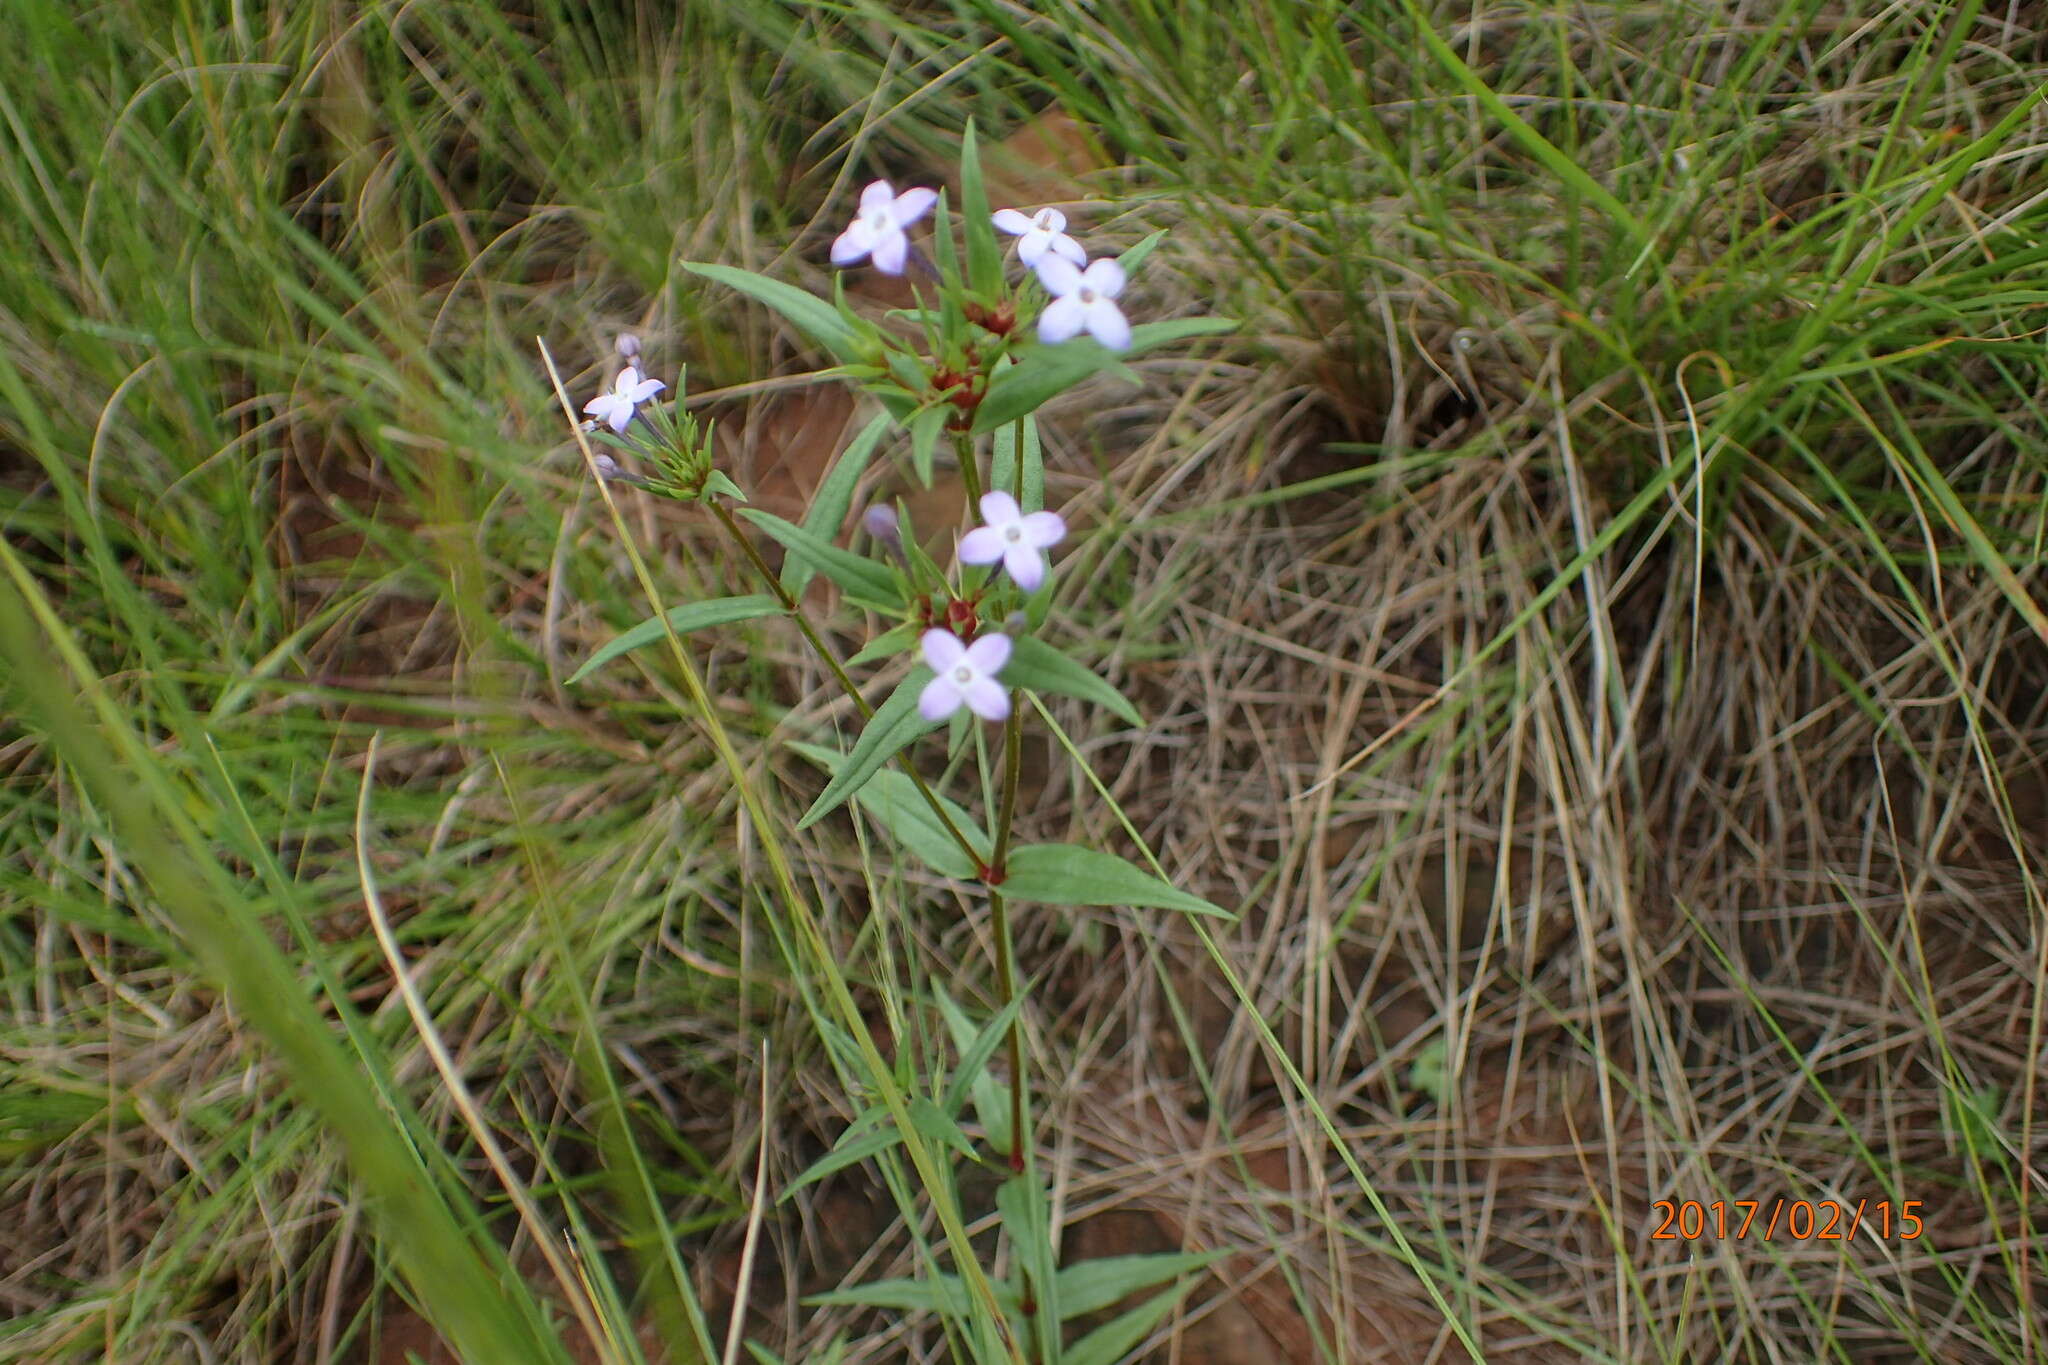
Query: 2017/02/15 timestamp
<point x="1825" y="1220"/>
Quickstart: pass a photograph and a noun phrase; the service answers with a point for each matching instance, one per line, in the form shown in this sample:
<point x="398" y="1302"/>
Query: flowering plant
<point x="964" y="368"/>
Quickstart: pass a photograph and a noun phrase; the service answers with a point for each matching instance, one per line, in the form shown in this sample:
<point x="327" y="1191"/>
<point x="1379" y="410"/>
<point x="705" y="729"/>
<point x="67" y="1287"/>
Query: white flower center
<point x="1013" y="534"/>
<point x="878" y="220"/>
<point x="1087" y="295"/>
<point x="963" y="675"/>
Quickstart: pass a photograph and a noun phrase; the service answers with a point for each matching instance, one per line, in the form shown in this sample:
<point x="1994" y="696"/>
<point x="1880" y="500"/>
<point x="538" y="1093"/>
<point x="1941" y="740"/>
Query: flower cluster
<point x="1083" y="294"/>
<point x="967" y="672"/>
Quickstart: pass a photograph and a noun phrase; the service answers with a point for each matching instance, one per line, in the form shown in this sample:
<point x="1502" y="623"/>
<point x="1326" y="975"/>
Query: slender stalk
<point x="970" y="474"/>
<point x="789" y="605"/>
<point x="1005" y="955"/>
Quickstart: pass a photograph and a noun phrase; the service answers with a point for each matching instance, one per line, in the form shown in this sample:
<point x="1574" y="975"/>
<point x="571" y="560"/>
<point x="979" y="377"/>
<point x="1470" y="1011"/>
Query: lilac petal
<point x="1032" y="246"/>
<point x="1044" y="528"/>
<point x="988" y="654"/>
<point x="942" y="650"/>
<point x="878" y="193"/>
<point x="1052" y="220"/>
<point x="912" y="205"/>
<point x="892" y="252"/>
<point x="1026" y="567"/>
<point x="645" y="390"/>
<point x="1107" y="324"/>
<point x="982" y="545"/>
<point x="1105" y="277"/>
<point x="999" y="509"/>
<point x="1062" y="318"/>
<point x="622" y="413"/>
<point x="854" y="243"/>
<point x="1059" y="277"/>
<point x="1066" y="246"/>
<point x="940" y="698"/>
<point x="1012" y="222"/>
<point x="598" y="406"/>
<point x="985" y="698"/>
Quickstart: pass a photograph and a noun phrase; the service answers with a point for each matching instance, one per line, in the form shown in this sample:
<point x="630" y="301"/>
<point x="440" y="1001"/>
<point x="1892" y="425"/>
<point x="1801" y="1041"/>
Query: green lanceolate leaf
<point x="1021" y="1202"/>
<point x="719" y="611"/>
<point x="892" y="641"/>
<point x="1135" y="257"/>
<point x="859" y="576"/>
<point x="893" y="801"/>
<point x="972" y="1079"/>
<point x="1091" y="1286"/>
<point x="1115" y="1339"/>
<point x="814" y="317"/>
<point x="925" y="429"/>
<point x="1042" y="372"/>
<point x="1038" y="666"/>
<point x="984" y="253"/>
<point x="834" y="497"/>
<point x="1068" y="874"/>
<point x="896" y="722"/>
<point x="1030" y="489"/>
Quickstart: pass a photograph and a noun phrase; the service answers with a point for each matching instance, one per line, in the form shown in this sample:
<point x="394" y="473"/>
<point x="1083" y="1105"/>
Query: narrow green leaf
<point x="1135" y="257"/>
<point x="814" y="317"/>
<point x="984" y="252"/>
<point x="893" y="801"/>
<point x="1068" y="874"/>
<point x="938" y="1125"/>
<point x="719" y="611"/>
<point x="858" y="575"/>
<point x="924" y="439"/>
<point x="896" y="722"/>
<point x="939" y="1294"/>
<point x="1091" y="1286"/>
<point x="972" y="1079"/>
<point x="1022" y="1203"/>
<point x="1115" y="1339"/>
<point x="868" y="1135"/>
<point x="834" y="497"/>
<point x="1042" y="373"/>
<point x="1038" y="666"/>
<point x="894" y="640"/>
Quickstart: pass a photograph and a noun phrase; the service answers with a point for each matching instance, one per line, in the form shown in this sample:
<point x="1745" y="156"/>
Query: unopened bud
<point x="880" y="521"/>
<point x="629" y="345"/>
<point x="606" y="466"/>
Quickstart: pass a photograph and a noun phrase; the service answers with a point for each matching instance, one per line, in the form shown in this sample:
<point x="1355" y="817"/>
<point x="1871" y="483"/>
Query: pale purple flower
<point x="1083" y="299"/>
<point x="628" y="392"/>
<point x="1020" y="542"/>
<point x="966" y="673"/>
<point x="1043" y="231"/>
<point x="877" y="230"/>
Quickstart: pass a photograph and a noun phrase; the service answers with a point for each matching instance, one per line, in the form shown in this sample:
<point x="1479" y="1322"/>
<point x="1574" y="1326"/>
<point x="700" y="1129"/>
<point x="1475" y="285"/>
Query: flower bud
<point x="629" y="345"/>
<point x="606" y="466"/>
<point x="880" y="521"/>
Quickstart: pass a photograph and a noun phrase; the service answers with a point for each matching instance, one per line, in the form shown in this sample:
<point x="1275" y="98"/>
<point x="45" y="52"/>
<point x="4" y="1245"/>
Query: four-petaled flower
<point x="877" y="230"/>
<point x="1018" y="541"/>
<point x="1043" y="231"/>
<point x="628" y="392"/>
<point x="966" y="673"/>
<point x="1083" y="299"/>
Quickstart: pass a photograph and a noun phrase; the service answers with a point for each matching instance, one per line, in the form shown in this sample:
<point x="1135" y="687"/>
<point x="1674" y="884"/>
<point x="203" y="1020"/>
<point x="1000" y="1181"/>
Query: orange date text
<point x="1799" y="1220"/>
